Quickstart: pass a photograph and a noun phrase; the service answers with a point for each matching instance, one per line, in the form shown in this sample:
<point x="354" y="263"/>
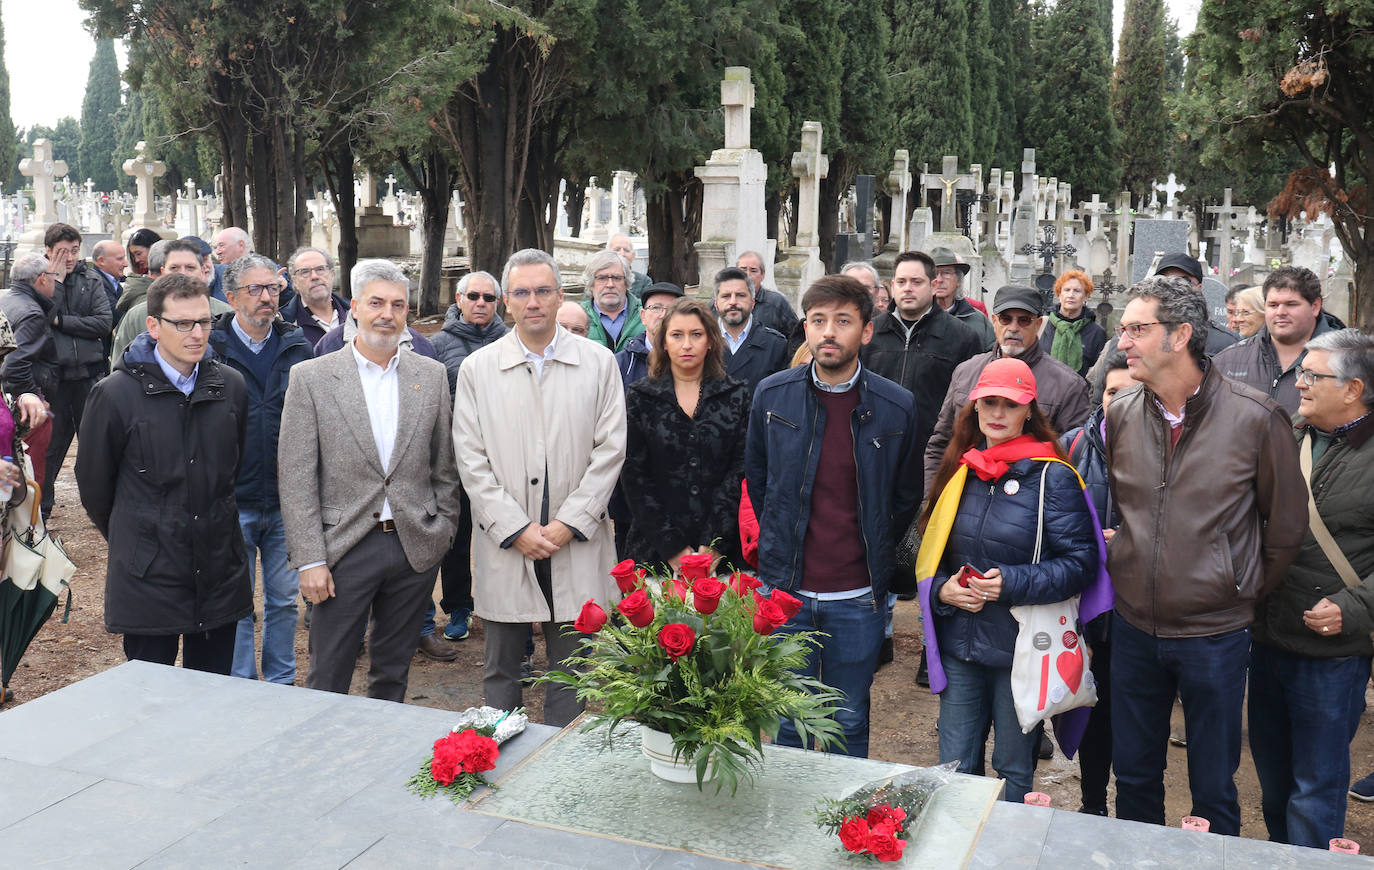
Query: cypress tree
<point x="9" y="146"/>
<point x="1138" y="96"/>
<point x="1003" y="42"/>
<point x="129" y="132"/>
<point x="930" y="80"/>
<point x="984" y="75"/>
<point x="98" y="109"/>
<point x="1072" y="126"/>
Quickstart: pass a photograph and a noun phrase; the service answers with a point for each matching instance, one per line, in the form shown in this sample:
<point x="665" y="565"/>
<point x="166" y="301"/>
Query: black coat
<point x="1092" y="336"/>
<point x="682" y="475"/>
<point x="633" y="361"/>
<point x="81" y="307"/>
<point x="32" y="366"/>
<point x="764" y="352"/>
<point x="459" y="339"/>
<point x="156" y="472"/>
<point x="923" y="362"/>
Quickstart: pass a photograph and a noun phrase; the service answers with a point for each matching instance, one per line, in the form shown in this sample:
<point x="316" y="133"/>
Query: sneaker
<point x="1364" y="789"/>
<point x="432" y="647"/>
<point x="458" y="625"/>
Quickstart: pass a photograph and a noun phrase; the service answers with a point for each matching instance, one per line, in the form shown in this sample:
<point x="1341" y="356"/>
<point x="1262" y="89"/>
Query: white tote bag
<point x="1050" y="665"/>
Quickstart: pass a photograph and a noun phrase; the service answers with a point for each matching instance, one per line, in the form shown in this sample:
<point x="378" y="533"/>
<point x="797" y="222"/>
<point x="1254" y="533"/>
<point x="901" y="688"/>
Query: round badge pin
<point x="1011" y="487"/>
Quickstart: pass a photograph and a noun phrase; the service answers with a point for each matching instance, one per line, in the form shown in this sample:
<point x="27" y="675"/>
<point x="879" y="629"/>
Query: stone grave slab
<point x="1151" y="236"/>
<point x="1215" y="291"/>
<point x="578" y="782"/>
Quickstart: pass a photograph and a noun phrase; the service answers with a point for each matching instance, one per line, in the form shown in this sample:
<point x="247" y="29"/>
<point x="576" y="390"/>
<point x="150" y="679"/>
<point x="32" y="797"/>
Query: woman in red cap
<point x="988" y="517"/>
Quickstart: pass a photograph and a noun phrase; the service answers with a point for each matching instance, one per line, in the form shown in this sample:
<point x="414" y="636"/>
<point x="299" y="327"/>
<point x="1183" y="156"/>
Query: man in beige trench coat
<point x="539" y="433"/>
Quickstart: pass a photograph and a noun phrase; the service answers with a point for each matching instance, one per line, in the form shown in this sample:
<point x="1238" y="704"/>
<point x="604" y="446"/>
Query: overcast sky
<point x="48" y="54"/>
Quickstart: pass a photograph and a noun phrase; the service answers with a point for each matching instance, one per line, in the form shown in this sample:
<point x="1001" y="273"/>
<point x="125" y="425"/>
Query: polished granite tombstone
<point x="154" y="767"/>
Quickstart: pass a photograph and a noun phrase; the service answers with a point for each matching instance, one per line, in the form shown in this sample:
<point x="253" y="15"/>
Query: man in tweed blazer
<point x="369" y="489"/>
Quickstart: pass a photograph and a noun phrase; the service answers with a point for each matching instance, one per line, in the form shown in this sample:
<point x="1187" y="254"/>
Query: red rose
<point x="743" y="583"/>
<point x="695" y="566"/>
<point x="789" y="605"/>
<point x="676" y="639"/>
<point x="706" y="594"/>
<point x="476" y="752"/>
<point x="626" y="576"/>
<point x="767" y="616"/>
<point x="883" y="813"/>
<point x="854" y="834"/>
<point x="885" y="846"/>
<point x="637" y="608"/>
<point x="592" y="617"/>
<point x="677" y="589"/>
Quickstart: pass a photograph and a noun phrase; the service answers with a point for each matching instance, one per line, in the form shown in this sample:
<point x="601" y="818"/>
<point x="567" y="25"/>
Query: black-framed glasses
<point x="1309" y="377"/>
<point x="524" y="292"/>
<point x="187" y="325"/>
<point x="1137" y="331"/>
<point x="1022" y="320"/>
<point x="473" y="296"/>
<point x="258" y="289"/>
<point x="307" y="271"/>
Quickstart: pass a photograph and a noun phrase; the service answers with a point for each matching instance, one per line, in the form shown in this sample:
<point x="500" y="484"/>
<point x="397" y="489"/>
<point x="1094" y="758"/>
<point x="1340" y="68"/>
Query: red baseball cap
<point x="1008" y="378"/>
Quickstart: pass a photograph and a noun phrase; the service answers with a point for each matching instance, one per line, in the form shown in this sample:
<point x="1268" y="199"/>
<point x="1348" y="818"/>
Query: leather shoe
<point x="432" y="647"/>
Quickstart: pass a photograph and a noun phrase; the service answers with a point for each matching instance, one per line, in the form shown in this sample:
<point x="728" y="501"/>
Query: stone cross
<point x="1170" y="190"/>
<point x="948" y="182"/>
<point x="90" y="188"/>
<point x="1028" y="185"/>
<point x="737" y="97"/>
<point x="390" y="185"/>
<point x="144" y="169"/>
<point x="809" y="166"/>
<point x="898" y="185"/>
<point x="1221" y="234"/>
<point x="1123" y="234"/>
<point x="44" y="171"/>
<point x="1094" y="211"/>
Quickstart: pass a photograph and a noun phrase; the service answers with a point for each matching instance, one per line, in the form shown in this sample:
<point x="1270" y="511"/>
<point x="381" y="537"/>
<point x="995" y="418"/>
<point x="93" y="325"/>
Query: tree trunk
<point x="301" y="224"/>
<point x="263" y="195"/>
<point x="338" y="174"/>
<point x="674" y="225"/>
<point x="1362" y="304"/>
<point x="433" y="177"/>
<point x="284" y="193"/>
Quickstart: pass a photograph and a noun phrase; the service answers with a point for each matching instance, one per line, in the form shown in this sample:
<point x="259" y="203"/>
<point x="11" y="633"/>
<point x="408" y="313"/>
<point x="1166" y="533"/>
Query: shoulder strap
<point x="1314" y="521"/>
<point x="1073" y="445"/>
<point x="1040" y="516"/>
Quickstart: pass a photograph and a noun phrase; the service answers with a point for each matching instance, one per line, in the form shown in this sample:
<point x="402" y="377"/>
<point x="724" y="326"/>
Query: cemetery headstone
<point x="733" y="217"/>
<point x="1152" y="237"/>
<point x="802" y="265"/>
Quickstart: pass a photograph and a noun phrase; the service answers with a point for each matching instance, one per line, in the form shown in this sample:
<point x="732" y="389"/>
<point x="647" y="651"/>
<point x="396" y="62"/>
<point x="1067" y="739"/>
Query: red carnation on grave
<point x="854" y="834"/>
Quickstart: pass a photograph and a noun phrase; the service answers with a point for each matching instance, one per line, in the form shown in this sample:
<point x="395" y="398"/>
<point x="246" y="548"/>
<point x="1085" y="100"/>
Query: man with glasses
<point x="1213" y="509"/>
<point x="950" y="270"/>
<point x="539" y="431"/>
<point x="263" y="349"/>
<point x="162" y="440"/>
<point x="613" y="314"/>
<point x="166" y="257"/>
<point x="1016" y="320"/>
<point x="471" y="324"/>
<point x="639" y="282"/>
<point x="633" y="361"/>
<point x="30" y="370"/>
<point x="317" y="308"/>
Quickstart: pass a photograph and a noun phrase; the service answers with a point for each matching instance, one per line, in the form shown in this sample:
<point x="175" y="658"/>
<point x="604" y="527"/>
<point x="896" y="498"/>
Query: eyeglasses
<point x="577" y="330"/>
<point x="656" y="307"/>
<point x="307" y="271"/>
<point x="256" y="290"/>
<point x="1019" y="319"/>
<point x="540" y="292"/>
<point x="610" y="279"/>
<point x="473" y="296"/>
<point x="1309" y="377"/>
<point x="187" y="325"/>
<point x="1137" y="331"/>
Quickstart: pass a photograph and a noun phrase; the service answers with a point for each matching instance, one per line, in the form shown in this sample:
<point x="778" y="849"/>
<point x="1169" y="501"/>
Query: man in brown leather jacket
<point x="1213" y="510"/>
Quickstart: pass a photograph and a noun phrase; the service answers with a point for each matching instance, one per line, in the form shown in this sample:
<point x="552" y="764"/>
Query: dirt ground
<point x="904" y="715"/>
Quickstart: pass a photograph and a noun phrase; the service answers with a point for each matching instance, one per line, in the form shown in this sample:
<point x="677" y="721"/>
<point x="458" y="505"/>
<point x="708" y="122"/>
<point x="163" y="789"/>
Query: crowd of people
<point x="1221" y="470"/>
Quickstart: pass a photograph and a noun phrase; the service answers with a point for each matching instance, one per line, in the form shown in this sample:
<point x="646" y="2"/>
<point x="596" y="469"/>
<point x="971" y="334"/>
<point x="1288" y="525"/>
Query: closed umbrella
<point x="36" y="570"/>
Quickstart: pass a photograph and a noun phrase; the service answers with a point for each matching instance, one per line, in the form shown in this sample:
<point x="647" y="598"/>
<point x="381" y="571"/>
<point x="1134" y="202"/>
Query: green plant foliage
<point x="931" y="88"/>
<point x="1138" y="91"/>
<point x="98" y="110"/>
<point x="9" y="146"/>
<point x="1072" y="127"/>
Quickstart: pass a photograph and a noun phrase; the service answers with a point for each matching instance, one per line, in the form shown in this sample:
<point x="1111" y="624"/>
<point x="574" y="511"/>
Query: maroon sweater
<point x="833" y="558"/>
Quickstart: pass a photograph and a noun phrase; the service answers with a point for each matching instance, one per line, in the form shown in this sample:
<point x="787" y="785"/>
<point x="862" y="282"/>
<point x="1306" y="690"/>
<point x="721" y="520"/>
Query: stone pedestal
<point x="378" y="235"/>
<point x="733" y="219"/>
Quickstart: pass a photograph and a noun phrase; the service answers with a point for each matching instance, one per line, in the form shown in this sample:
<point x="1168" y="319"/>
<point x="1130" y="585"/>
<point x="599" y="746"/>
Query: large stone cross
<point x="1095" y="211"/>
<point x="1171" y="189"/>
<point x="948" y="182"/>
<point x="44" y="171"/>
<point x="898" y="185"/>
<point x="143" y="168"/>
<point x="737" y="98"/>
<point x="1220" y="235"/>
<point x="809" y="166"/>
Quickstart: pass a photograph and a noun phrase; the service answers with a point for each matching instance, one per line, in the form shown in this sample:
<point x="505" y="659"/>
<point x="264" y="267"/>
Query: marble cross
<point x="1221" y="235"/>
<point x="948" y="182"/>
<point x="1170" y="190"/>
<point x="809" y="166"/>
<point x="143" y="168"/>
<point x="737" y="98"/>
<point x="898" y="185"/>
<point x="44" y="171"/>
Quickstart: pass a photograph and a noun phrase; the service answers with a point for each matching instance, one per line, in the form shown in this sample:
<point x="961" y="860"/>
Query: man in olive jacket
<point x="1213" y="509"/>
<point x="161" y="443"/>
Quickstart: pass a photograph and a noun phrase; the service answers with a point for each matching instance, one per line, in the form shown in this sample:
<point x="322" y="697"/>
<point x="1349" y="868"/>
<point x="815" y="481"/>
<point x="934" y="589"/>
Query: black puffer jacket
<point x="996" y="528"/>
<point x="458" y="339"/>
<point x="84" y="321"/>
<point x="156" y="471"/>
<point x="32" y="366"/>
<point x="682" y="475"/>
<point x="922" y="361"/>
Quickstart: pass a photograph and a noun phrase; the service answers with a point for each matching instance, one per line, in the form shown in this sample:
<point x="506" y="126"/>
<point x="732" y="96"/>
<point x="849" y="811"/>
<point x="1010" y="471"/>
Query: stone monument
<point x="144" y="168"/>
<point x="733" y="217"/>
<point x="802" y="265"/>
<point x="378" y="235"/>
<point x="897" y="185"/>
<point x="44" y="171"/>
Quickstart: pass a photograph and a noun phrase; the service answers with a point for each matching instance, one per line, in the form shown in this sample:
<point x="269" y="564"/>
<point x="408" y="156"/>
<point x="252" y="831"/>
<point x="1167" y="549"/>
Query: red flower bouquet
<point x="461" y="757"/>
<point x="874" y="822"/>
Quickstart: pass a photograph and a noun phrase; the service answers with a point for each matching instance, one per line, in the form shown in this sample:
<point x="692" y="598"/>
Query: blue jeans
<point x="976" y="696"/>
<point x="1208" y="675"/>
<point x="264" y="535"/>
<point x="845" y="661"/>
<point x="1303" y="715"/>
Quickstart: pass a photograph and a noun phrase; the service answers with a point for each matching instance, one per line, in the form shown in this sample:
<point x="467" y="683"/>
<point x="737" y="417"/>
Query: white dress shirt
<point x="540" y="359"/>
<point x="382" y="392"/>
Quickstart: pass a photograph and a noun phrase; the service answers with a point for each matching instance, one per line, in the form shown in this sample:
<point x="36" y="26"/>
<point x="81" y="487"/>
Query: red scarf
<point x="992" y="463"/>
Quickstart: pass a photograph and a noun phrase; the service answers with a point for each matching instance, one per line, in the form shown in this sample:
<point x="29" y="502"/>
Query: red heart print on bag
<point x="1070" y="667"/>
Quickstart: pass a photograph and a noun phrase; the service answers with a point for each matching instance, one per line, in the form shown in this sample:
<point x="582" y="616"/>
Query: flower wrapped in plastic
<point x="461" y="757"/>
<point x="874" y="820"/>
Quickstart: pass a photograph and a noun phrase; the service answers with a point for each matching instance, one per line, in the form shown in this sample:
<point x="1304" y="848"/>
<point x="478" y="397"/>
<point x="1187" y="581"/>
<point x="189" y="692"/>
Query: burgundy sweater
<point x="833" y="557"/>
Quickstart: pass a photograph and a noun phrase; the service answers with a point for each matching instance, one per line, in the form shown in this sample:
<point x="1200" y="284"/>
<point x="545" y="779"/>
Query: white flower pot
<point x="658" y="748"/>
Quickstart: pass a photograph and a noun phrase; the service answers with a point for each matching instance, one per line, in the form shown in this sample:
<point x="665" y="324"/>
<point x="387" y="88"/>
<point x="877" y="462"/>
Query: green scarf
<point x="1068" y="347"/>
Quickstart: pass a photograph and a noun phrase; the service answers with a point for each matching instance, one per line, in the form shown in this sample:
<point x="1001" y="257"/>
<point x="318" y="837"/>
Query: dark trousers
<point x="67" y="406"/>
<point x="1208" y="675"/>
<point x="372" y="577"/>
<point x="1303" y="714"/>
<point x="501" y="674"/>
<point x="211" y="651"/>
<point x="455" y="576"/>
<point x="1095" y="750"/>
